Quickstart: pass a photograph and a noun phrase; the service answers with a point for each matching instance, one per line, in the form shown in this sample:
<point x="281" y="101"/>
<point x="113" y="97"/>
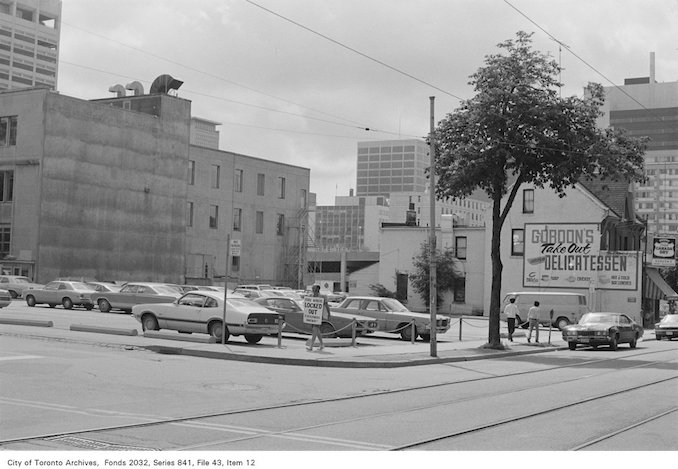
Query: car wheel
<point x="327" y="330"/>
<point x="13" y="294"/>
<point x="562" y="322"/>
<point x="67" y="303"/>
<point x="30" y="300"/>
<point x="253" y="338"/>
<point x="104" y="305"/>
<point x="149" y="323"/>
<point x="215" y="329"/>
<point x="406" y="331"/>
<point x="634" y="342"/>
<point x="572" y="345"/>
<point x="614" y="343"/>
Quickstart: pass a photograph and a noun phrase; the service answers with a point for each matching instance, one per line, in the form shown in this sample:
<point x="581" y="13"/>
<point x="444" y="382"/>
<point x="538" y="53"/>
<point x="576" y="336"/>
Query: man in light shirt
<point x="511" y="310"/>
<point x="533" y="320"/>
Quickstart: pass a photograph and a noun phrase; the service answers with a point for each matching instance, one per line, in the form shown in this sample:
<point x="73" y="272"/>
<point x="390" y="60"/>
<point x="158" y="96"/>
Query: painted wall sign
<point x="568" y="255"/>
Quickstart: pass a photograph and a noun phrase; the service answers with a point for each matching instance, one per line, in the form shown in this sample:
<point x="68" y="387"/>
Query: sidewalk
<point x="367" y="352"/>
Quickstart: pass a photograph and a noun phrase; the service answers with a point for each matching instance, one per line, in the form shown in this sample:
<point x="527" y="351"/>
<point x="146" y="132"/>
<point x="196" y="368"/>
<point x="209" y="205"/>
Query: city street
<point x="65" y="395"/>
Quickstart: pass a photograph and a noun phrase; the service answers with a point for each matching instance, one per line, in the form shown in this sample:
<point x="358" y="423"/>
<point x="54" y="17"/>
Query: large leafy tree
<point x="517" y="128"/>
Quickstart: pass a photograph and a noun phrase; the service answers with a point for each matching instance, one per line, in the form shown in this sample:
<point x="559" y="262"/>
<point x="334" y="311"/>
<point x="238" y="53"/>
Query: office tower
<point x="647" y="108"/>
<point x="29" y="43"/>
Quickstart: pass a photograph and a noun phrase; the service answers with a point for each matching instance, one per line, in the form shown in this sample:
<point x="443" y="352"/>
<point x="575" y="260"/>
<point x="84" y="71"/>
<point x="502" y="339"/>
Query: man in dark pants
<point x="511" y="311"/>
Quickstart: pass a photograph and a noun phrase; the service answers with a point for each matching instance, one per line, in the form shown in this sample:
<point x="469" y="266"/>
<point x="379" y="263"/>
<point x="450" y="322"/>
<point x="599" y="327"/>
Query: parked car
<point x="134" y="293"/>
<point x="5" y="298"/>
<point x="104" y="286"/>
<point x="202" y="311"/>
<point x="65" y="293"/>
<point x="338" y="325"/>
<point x="16" y="284"/>
<point x="187" y="288"/>
<point x="603" y="329"/>
<point x="393" y="316"/>
<point x="667" y="327"/>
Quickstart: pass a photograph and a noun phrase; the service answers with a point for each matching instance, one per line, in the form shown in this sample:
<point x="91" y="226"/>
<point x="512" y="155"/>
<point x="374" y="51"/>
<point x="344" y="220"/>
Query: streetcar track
<point x="622" y="430"/>
<point x="527" y="416"/>
<point x="185" y="420"/>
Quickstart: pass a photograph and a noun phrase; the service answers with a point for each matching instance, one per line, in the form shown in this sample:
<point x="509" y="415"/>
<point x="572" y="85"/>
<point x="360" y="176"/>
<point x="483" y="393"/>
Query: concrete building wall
<point x="267" y="257"/>
<point x="359" y="281"/>
<point x="103" y="188"/>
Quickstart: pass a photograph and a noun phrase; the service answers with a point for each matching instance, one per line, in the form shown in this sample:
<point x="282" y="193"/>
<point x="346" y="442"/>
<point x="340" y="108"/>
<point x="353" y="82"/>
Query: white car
<point x="202" y="311"/>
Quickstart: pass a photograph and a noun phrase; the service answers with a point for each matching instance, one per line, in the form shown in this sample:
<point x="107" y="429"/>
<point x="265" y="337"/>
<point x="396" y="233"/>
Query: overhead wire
<point x="362" y="54"/>
<point x="569" y="49"/>
<point x="183" y="65"/>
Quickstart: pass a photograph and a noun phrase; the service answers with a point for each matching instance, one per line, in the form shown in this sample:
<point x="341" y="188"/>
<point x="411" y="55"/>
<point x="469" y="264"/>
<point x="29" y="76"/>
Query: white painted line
<point x="20" y="357"/>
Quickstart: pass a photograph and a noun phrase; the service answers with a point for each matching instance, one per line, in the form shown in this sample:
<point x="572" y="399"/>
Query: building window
<point x="8" y="126"/>
<point x="459" y="290"/>
<point x="237" y="180"/>
<point x="528" y="201"/>
<point x="235" y="263"/>
<point x="5" y="237"/>
<point x="259" y="222"/>
<point x="280" y="227"/>
<point x="191" y="172"/>
<point x="261" y="181"/>
<point x="6" y="186"/>
<point x="281" y="187"/>
<point x="189" y="214"/>
<point x="237" y="219"/>
<point x="214" y="216"/>
<point x="517" y="242"/>
<point x="216" y="176"/>
<point x="460" y="247"/>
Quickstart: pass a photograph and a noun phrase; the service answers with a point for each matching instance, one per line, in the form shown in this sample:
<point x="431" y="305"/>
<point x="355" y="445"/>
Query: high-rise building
<point x="392" y="166"/>
<point x="29" y="43"/>
<point x="647" y="108"/>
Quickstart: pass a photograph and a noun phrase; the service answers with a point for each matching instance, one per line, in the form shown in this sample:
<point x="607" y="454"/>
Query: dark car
<point x="338" y="325"/>
<point x="134" y="293"/>
<point x="667" y="328"/>
<point x="603" y="329"/>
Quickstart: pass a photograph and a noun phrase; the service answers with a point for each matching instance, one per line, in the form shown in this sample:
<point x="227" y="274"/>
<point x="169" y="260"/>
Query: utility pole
<point x="432" y="236"/>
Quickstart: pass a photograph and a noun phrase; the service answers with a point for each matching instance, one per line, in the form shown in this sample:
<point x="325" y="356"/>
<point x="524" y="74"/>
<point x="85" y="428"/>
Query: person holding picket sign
<point x="317" y="319"/>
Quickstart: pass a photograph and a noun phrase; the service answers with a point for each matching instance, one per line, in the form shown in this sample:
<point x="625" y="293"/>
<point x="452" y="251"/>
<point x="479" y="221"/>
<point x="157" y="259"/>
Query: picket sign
<point x="313" y="310"/>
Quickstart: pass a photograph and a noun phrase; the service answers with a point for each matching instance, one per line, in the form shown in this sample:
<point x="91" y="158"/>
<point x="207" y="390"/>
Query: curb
<point x="181" y="337"/>
<point x="166" y="350"/>
<point x="103" y="330"/>
<point x="26" y="322"/>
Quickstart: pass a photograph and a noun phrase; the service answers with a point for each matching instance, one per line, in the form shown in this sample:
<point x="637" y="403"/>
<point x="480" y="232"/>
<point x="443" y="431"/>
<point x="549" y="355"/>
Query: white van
<point x="567" y="307"/>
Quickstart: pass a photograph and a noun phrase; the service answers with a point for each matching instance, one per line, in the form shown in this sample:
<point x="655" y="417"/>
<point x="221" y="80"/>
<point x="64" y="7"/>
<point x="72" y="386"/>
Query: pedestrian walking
<point x="315" y="330"/>
<point x="533" y="320"/>
<point x="511" y="311"/>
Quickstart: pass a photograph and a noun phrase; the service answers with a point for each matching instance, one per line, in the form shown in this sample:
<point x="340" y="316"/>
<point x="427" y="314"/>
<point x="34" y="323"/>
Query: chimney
<point x="350" y="192"/>
<point x="652" y="70"/>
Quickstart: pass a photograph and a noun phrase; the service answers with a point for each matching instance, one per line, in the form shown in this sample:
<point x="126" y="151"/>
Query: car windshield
<point x="670" y="319"/>
<point x="81" y="286"/>
<point x="598" y="318"/>
<point x="394" y="305"/>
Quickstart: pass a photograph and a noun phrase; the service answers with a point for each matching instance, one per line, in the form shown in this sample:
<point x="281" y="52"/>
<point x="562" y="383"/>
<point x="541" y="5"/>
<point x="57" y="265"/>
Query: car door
<point x="48" y="294"/>
<point x="294" y="315"/>
<point x="626" y="331"/>
<point x="185" y="315"/>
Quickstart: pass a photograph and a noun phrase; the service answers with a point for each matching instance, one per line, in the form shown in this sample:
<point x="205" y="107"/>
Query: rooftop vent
<point x="136" y="87"/>
<point x="119" y="90"/>
<point x="164" y="83"/>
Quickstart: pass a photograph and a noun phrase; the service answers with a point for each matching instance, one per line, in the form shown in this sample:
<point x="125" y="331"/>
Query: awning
<point x="656" y="287"/>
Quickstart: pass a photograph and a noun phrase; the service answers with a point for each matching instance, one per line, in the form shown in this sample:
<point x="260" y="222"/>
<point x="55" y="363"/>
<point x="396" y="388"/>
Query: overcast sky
<point x="284" y="93"/>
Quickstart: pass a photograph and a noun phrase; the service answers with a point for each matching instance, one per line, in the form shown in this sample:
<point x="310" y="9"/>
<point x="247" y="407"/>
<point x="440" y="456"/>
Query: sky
<point x="300" y="81"/>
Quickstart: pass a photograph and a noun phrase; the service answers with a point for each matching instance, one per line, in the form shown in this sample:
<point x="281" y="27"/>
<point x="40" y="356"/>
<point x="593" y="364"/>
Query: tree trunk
<point x="494" y="339"/>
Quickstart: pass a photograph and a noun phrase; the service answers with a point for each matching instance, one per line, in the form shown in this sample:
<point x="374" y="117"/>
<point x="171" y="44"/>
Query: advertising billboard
<point x="568" y="255"/>
<point x="664" y="251"/>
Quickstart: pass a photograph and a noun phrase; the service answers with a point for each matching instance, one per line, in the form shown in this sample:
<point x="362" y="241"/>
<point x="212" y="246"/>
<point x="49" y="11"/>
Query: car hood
<point x="587" y="327"/>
